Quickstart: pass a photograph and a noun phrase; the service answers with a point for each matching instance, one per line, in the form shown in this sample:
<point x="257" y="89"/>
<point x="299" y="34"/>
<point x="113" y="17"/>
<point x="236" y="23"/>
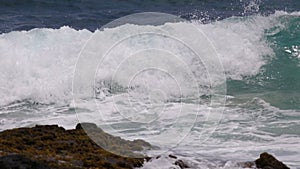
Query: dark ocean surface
<point x="92" y="14"/>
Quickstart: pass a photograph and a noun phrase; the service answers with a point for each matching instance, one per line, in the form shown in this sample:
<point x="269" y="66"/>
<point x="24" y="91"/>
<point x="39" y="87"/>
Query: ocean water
<point x="241" y="98"/>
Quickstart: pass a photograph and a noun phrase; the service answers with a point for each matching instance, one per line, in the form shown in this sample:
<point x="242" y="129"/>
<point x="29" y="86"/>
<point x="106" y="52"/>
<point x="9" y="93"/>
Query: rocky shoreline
<point x="53" y="147"/>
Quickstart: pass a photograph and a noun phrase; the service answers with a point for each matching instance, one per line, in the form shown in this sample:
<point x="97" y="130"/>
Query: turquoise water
<point x="177" y="106"/>
<point x="278" y="81"/>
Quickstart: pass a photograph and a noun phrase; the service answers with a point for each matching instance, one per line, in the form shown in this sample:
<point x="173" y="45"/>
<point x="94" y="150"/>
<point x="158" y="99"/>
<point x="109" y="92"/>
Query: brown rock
<point x="54" y="147"/>
<point x="19" y="161"/>
<point x="267" y="161"/>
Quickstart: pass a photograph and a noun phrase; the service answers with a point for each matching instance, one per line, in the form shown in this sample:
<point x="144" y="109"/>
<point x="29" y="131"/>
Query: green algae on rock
<point x="53" y="146"/>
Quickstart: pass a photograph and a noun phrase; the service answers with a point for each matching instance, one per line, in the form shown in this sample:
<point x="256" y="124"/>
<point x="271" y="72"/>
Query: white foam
<point x="39" y="64"/>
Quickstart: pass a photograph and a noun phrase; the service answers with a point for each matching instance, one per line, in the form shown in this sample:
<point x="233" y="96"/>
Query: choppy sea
<point x="218" y="86"/>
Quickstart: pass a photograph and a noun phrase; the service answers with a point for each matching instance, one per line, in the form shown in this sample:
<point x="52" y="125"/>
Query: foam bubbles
<point x="39" y="64"/>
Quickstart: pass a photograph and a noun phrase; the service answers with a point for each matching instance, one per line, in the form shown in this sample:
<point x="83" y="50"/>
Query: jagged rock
<point x="267" y="161"/>
<point x="53" y="146"/>
<point x="181" y="164"/>
<point x="16" y="161"/>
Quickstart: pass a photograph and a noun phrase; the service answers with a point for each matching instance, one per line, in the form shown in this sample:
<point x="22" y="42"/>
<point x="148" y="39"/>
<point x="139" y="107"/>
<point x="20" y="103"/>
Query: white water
<point x="38" y="66"/>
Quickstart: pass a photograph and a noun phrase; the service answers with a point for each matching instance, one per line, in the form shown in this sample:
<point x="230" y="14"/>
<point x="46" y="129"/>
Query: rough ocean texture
<point x="51" y="146"/>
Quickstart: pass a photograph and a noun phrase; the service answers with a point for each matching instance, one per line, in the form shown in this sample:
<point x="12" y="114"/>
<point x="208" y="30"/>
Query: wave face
<point x="278" y="78"/>
<point x="39" y="64"/>
<point x="261" y="61"/>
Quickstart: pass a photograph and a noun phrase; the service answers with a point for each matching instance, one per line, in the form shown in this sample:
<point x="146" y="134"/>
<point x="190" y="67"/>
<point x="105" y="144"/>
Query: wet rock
<point x="148" y="159"/>
<point x="86" y="126"/>
<point x="54" y="147"/>
<point x="172" y="156"/>
<point x="181" y="164"/>
<point x="20" y="162"/>
<point x="114" y="144"/>
<point x="267" y="161"/>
